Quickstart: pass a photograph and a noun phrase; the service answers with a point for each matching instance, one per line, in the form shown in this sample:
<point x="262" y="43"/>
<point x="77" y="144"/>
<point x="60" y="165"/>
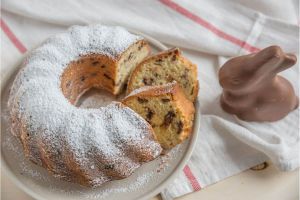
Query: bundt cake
<point x="167" y="109"/>
<point x="86" y="146"/>
<point x="163" y="68"/>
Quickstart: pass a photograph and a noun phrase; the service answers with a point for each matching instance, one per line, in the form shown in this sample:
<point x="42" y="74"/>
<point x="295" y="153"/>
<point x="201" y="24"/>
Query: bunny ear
<point x="272" y="60"/>
<point x="288" y="61"/>
<point x="268" y="68"/>
<point x="260" y="58"/>
<point x="266" y="62"/>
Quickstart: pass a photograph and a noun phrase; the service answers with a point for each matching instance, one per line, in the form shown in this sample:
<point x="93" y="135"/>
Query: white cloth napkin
<point x="226" y="145"/>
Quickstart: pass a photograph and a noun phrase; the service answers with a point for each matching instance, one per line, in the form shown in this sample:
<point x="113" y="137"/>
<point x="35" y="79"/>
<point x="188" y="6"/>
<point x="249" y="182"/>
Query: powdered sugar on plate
<point x="95" y="98"/>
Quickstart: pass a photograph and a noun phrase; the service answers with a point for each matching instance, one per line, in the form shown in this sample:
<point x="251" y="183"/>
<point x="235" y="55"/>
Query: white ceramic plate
<point x="145" y="183"/>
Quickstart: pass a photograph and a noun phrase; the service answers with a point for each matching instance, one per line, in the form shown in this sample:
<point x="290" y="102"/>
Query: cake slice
<point x="167" y="109"/>
<point x="102" y="71"/>
<point x="163" y="68"/>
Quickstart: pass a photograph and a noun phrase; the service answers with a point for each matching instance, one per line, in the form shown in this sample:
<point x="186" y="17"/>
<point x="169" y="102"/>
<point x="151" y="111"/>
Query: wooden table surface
<point x="259" y="185"/>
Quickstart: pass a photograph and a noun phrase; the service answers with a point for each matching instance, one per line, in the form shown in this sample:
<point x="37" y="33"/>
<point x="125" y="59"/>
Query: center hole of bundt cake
<point x="95" y="98"/>
<point x="101" y="72"/>
<point x="90" y="71"/>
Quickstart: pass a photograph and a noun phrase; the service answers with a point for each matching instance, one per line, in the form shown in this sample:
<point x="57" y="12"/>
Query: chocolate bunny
<point x="253" y="91"/>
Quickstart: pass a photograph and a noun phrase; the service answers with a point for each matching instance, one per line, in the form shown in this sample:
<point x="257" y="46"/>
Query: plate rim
<point x="159" y="187"/>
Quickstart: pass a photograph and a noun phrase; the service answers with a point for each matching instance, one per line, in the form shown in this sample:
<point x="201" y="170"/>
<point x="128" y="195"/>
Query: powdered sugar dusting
<point x="167" y="158"/>
<point x="64" y="136"/>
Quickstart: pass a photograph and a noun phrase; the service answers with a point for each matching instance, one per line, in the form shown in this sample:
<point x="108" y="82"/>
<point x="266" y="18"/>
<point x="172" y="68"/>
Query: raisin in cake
<point x="167" y="109"/>
<point x="163" y="68"/>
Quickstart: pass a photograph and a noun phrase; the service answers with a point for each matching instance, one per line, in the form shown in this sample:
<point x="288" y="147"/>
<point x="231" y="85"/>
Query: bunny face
<point x="236" y="75"/>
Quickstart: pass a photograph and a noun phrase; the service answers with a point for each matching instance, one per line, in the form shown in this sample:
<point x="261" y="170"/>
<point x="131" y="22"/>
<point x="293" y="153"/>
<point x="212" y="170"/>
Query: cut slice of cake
<point x="167" y="109"/>
<point x="102" y="71"/>
<point x="163" y="68"/>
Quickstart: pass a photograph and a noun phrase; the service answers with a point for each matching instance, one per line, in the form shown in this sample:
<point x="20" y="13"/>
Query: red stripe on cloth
<point x="209" y="26"/>
<point x="190" y="176"/>
<point x="12" y="37"/>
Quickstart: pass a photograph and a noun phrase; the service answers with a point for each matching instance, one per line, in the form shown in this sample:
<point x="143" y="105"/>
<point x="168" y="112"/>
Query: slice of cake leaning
<point x="167" y="109"/>
<point x="163" y="68"/>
